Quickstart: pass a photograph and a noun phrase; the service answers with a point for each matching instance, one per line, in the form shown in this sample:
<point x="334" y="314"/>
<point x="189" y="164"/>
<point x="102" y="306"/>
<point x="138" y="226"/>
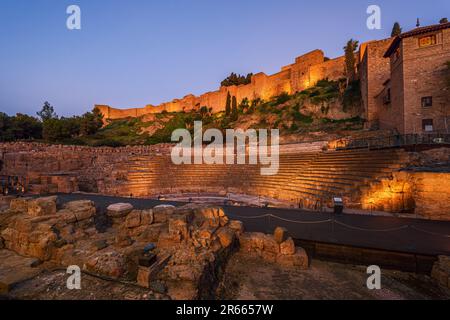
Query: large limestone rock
<point x="287" y="247"/>
<point x="215" y="216"/>
<point x="133" y="219"/>
<point x="20" y="204"/>
<point x="298" y="260"/>
<point x="268" y="248"/>
<point x="119" y="210"/>
<point x="162" y="213"/>
<point x="42" y="206"/>
<point x="226" y="236"/>
<point x="280" y="234"/>
<point x="77" y="211"/>
<point x="237" y="226"/>
<point x="29" y="238"/>
<point x="111" y="263"/>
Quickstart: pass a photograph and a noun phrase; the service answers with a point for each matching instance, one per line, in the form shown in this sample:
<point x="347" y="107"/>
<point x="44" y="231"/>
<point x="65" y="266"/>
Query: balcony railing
<point x="397" y="141"/>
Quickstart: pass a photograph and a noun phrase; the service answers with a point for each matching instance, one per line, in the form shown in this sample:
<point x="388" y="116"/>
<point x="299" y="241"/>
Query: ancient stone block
<point x="252" y="241"/>
<point x="280" y="234"/>
<point x="144" y="277"/>
<point x="42" y="206"/>
<point x="287" y="247"/>
<point x="162" y="213"/>
<point x="269" y="256"/>
<point x="226" y="236"/>
<point x="19" y="204"/>
<point x="178" y="226"/>
<point x="147" y="275"/>
<point x="67" y="216"/>
<point x="82" y="209"/>
<point x="133" y="219"/>
<point x="270" y="245"/>
<point x="168" y="241"/>
<point x="147" y="217"/>
<point x="237" y="226"/>
<point x="151" y="233"/>
<point x="298" y="260"/>
<point x="213" y="215"/>
<point x="223" y="221"/>
<point x="111" y="264"/>
<point x="119" y="210"/>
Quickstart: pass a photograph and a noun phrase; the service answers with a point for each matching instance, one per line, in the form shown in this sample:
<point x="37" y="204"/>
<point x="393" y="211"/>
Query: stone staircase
<point x="307" y="179"/>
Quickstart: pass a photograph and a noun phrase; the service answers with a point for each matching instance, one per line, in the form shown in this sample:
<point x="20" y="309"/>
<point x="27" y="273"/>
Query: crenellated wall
<point x="304" y="73"/>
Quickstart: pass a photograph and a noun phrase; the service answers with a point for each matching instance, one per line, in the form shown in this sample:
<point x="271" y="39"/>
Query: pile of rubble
<point x="178" y="252"/>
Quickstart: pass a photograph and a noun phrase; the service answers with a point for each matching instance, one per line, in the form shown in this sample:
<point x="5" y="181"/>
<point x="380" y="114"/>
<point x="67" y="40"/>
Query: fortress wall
<point x="305" y="72"/>
<point x="332" y="70"/>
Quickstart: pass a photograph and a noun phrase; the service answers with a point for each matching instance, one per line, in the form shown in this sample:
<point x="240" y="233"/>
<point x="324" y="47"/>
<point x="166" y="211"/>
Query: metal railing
<point x="397" y="141"/>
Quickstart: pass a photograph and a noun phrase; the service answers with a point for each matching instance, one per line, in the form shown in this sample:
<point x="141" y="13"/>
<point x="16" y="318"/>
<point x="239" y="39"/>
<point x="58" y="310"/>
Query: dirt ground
<point x="254" y="279"/>
<point x="52" y="286"/>
<point x="245" y="277"/>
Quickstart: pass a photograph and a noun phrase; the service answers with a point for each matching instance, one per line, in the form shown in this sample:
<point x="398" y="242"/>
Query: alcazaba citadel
<point x="395" y="74"/>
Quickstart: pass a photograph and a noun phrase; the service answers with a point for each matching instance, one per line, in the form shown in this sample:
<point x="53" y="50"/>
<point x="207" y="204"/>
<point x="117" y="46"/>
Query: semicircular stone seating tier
<point x="306" y="179"/>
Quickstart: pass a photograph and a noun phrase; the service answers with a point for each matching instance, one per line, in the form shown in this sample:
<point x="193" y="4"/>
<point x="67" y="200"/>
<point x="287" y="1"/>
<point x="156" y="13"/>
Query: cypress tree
<point x="234" y="110"/>
<point x="396" y="30"/>
<point x="228" y="105"/>
<point x="350" y="61"/>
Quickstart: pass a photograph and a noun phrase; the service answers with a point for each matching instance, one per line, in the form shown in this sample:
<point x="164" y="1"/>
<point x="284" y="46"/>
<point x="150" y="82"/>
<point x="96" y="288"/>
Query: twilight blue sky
<point x="133" y="52"/>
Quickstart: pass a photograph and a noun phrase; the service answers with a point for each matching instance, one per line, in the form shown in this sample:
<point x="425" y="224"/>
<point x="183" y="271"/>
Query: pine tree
<point x="47" y="112"/>
<point x="443" y="20"/>
<point x="228" y="105"/>
<point x="396" y="30"/>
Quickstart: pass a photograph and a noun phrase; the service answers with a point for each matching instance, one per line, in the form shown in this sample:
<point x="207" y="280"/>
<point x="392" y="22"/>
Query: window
<point x="427" y="102"/>
<point x="427" y="41"/>
<point x="427" y="125"/>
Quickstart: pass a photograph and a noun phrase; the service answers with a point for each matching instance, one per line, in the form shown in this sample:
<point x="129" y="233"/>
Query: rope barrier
<point x="302" y="222"/>
<point x="344" y="225"/>
<point x="430" y="232"/>
<point x="371" y="230"/>
<point x="283" y="219"/>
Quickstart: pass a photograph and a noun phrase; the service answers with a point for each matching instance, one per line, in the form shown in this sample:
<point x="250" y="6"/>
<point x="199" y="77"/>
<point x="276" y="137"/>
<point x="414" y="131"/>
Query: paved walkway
<point x="386" y="233"/>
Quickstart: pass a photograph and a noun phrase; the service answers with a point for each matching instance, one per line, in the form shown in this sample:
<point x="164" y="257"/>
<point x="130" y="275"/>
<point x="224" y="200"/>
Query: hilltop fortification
<point x="303" y="73"/>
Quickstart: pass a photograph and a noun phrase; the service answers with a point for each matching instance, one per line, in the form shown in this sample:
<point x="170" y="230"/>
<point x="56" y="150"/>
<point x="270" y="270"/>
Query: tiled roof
<point x="414" y="32"/>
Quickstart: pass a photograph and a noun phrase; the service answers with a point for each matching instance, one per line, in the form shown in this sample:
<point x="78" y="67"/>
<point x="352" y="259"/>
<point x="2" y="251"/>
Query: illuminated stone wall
<point x="304" y="73"/>
<point x="425" y="194"/>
